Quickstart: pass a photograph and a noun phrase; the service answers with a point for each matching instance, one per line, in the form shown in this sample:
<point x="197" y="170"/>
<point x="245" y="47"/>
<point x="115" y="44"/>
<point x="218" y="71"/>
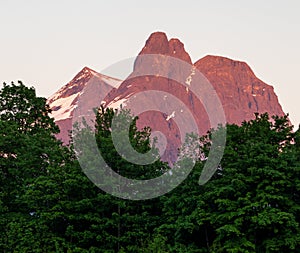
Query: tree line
<point x="47" y="203"/>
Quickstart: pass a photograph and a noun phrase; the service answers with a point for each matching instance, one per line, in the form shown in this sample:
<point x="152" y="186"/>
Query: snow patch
<point x="129" y="95"/>
<point x="65" y="107"/>
<point x="113" y="82"/>
<point x="172" y="115"/>
<point x="62" y="107"/>
<point x="189" y="79"/>
<point x="116" y="99"/>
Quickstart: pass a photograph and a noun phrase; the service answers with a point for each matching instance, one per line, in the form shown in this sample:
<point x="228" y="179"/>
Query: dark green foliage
<point x="28" y="151"/>
<point x="139" y="140"/>
<point x="19" y="104"/>
<point x="250" y="203"/>
<point x="47" y="204"/>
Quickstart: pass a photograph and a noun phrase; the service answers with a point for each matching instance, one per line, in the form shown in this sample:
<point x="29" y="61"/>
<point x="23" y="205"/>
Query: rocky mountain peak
<point x="74" y="86"/>
<point x="213" y="63"/>
<point x="176" y="49"/>
<point x="158" y="43"/>
<point x="240" y="92"/>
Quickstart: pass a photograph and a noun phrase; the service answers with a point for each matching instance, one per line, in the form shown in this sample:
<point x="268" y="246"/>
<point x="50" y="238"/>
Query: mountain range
<point x="174" y="75"/>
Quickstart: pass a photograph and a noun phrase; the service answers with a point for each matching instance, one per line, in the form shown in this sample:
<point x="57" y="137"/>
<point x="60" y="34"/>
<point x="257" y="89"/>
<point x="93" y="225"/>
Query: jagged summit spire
<point x="158" y="43"/>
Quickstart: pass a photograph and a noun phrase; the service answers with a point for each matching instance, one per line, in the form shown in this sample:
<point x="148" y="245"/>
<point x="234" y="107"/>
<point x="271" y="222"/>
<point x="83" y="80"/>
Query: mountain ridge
<point x="241" y="93"/>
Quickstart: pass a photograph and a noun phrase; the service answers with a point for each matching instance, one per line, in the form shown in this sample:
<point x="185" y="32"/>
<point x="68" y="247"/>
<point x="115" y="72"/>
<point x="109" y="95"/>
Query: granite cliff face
<point x="240" y="92"/>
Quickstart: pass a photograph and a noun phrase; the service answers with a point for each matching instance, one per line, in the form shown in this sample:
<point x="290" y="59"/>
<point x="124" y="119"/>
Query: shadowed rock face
<point x="241" y="93"/>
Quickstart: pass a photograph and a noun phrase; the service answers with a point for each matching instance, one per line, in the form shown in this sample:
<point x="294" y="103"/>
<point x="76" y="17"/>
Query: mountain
<point x="65" y="100"/>
<point x="241" y="92"/>
<point x="164" y="66"/>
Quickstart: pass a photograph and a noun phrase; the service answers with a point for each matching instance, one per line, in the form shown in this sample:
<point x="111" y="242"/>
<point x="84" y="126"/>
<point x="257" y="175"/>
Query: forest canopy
<point x="47" y="203"/>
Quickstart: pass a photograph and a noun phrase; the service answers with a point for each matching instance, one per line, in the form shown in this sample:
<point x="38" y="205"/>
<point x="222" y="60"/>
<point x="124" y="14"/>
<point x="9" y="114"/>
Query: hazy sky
<point x="45" y="43"/>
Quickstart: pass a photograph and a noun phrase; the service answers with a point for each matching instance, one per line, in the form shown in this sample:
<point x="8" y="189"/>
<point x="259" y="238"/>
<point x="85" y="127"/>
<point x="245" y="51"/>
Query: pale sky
<point x="46" y="43"/>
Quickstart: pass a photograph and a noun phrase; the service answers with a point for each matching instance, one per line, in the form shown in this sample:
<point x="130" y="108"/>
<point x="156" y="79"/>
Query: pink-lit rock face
<point x="241" y="93"/>
<point x="158" y="43"/>
<point x="65" y="100"/>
